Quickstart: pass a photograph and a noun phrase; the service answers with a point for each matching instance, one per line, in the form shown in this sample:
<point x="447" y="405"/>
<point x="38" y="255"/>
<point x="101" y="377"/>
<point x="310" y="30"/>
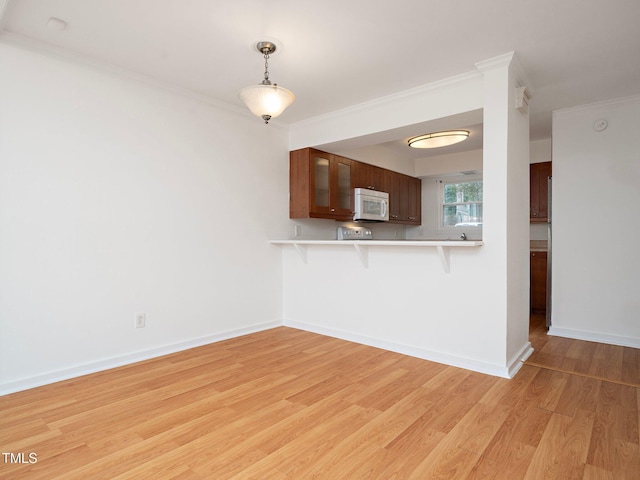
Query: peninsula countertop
<point x="362" y="247"/>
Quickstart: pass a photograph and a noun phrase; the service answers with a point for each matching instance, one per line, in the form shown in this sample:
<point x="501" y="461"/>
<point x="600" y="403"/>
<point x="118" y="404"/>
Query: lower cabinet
<point x="538" y="272"/>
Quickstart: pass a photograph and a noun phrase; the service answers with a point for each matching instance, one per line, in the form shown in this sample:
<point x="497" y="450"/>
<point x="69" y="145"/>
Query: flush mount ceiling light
<point x="266" y="100"/>
<point x="438" y="139"/>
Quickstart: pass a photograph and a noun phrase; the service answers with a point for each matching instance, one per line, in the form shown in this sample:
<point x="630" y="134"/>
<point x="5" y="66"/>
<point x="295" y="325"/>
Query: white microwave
<point x="371" y="205"/>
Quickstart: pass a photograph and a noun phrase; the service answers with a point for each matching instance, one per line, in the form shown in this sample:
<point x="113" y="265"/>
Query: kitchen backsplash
<point x="321" y="229"/>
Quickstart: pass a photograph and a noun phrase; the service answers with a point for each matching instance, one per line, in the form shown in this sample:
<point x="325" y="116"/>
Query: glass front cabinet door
<point x="331" y="191"/>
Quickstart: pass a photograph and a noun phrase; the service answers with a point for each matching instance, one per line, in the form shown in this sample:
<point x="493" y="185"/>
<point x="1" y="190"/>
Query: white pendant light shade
<point x="439" y="139"/>
<point x="266" y="101"/>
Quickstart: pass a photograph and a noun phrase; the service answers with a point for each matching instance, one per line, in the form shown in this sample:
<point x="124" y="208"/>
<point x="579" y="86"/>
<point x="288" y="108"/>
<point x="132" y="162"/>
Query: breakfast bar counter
<point x="362" y="247"/>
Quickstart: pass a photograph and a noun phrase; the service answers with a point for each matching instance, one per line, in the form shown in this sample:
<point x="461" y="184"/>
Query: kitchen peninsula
<point x="418" y="297"/>
<point x="475" y="316"/>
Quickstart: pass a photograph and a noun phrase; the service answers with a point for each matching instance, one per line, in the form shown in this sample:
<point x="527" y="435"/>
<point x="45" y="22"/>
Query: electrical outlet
<point x="141" y="320"/>
<point x="297" y="230"/>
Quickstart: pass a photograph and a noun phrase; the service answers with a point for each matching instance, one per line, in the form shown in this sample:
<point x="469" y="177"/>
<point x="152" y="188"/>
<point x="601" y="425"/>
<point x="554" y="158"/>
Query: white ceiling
<point x="337" y="53"/>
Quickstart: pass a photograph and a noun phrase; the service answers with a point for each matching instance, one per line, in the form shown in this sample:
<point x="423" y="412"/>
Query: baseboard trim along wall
<point x="518" y="359"/>
<point x="438" y="357"/>
<point x="595" y="337"/>
<point x="94" y="367"/>
<point x="507" y="371"/>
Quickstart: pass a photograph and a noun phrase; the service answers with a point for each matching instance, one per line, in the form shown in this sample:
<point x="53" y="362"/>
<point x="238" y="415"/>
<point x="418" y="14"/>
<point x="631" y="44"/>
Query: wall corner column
<point x="506" y="198"/>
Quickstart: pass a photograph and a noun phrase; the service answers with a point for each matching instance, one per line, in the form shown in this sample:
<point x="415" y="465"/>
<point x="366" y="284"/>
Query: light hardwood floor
<point x="590" y="359"/>
<point x="287" y="404"/>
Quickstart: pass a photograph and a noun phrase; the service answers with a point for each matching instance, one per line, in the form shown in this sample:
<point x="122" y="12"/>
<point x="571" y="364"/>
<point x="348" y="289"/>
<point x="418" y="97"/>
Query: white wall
<point x="540" y="151"/>
<point x="118" y="197"/>
<point x="448" y="164"/>
<point x="404" y="301"/>
<point x="596" y="193"/>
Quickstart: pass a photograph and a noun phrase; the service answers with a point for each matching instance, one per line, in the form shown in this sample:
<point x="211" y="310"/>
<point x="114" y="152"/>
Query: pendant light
<point x="438" y="139"/>
<point x="266" y="100"/>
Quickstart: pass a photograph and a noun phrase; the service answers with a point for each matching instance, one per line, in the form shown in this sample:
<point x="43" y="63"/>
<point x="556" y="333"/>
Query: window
<point x="461" y="204"/>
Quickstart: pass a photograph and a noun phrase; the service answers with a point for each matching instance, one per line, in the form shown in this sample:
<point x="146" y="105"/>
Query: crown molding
<point x="511" y="61"/>
<point x="500" y="61"/>
<point x="613" y="103"/>
<point x="42" y="48"/>
<point x="390" y="99"/>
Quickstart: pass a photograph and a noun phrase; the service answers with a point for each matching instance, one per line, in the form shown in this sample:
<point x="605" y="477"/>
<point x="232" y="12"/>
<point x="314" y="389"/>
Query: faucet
<point x="463" y="236"/>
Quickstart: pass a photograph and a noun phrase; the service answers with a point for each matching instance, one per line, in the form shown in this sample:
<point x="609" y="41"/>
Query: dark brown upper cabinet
<point x="539" y="174"/>
<point x="320" y="185"/>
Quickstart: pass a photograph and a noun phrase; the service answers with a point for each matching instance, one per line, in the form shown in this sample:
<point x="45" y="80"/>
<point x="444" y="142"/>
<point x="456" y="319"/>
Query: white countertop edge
<point x="390" y="243"/>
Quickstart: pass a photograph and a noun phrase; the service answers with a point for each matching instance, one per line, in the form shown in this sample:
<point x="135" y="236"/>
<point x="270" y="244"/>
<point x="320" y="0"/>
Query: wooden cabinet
<point x="539" y="174"/>
<point x="412" y="198"/>
<point x="405" y="198"/>
<point x="320" y="185"/>
<point x="368" y="176"/>
<point x="538" y="285"/>
<point x="392" y="185"/>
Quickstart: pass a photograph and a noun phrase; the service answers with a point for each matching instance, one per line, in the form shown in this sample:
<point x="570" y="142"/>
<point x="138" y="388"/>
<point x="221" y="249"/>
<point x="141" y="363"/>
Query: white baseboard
<point x="507" y="371"/>
<point x="438" y="357"/>
<point x="595" y="337"/>
<point x="93" y="367"/>
<point x="518" y="359"/>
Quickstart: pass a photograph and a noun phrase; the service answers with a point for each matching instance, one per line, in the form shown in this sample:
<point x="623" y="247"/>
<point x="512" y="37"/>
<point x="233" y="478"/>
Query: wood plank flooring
<point x="286" y="404"/>
<point x="591" y="359"/>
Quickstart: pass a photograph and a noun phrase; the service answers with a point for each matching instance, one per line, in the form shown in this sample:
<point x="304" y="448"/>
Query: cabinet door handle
<point x="333" y="209"/>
